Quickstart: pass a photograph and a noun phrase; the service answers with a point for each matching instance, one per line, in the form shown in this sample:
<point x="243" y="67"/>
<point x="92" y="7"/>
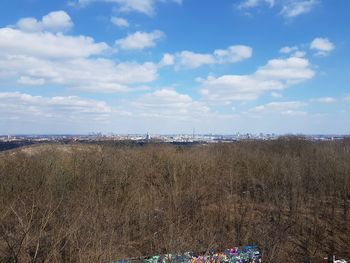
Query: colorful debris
<point x="247" y="254"/>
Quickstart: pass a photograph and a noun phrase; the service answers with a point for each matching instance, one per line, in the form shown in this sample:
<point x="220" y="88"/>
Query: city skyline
<point x="166" y="66"/>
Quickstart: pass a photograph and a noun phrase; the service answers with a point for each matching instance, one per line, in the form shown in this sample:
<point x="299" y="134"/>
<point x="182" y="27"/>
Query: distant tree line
<point x="4" y="146"/>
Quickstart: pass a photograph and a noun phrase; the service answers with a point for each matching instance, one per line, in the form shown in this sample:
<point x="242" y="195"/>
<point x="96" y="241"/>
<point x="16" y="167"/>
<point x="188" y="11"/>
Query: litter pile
<point x="247" y="254"/>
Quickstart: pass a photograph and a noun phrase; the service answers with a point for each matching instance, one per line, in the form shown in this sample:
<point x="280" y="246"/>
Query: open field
<point x="95" y="203"/>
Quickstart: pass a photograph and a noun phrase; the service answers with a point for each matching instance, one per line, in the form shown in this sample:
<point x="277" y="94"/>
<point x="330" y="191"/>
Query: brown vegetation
<point x="84" y="203"/>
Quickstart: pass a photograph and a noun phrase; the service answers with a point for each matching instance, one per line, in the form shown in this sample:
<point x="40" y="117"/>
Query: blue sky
<point x="168" y="66"/>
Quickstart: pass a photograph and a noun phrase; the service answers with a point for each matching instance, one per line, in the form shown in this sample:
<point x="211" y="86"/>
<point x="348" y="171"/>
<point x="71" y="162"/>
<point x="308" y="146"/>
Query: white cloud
<point x="276" y="75"/>
<point x="167" y="60"/>
<point x="288" y="108"/>
<point x="97" y="75"/>
<point x="294" y="113"/>
<point x="27" y="107"/>
<point x="29" y="81"/>
<point x="37" y="58"/>
<point x="29" y="24"/>
<point x="47" y="45"/>
<point x="287" y="49"/>
<point x="166" y="109"/>
<point x="323" y="46"/>
<point x="299" y="54"/>
<point x="140" y="40"/>
<point x="288" y="71"/>
<point x="191" y="60"/>
<point x="294" y="8"/>
<point x="289" y="8"/>
<point x="58" y="21"/>
<point x="229" y="88"/>
<point x="232" y="54"/>
<point x="169" y="103"/>
<point x="276" y="94"/>
<point x="142" y="6"/>
<point x="188" y="59"/>
<point x="247" y="4"/>
<point x="326" y="100"/>
<point x="279" y="106"/>
<point x="119" y="21"/>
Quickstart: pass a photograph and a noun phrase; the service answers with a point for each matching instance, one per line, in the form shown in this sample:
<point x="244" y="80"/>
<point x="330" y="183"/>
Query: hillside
<point x="97" y="203"/>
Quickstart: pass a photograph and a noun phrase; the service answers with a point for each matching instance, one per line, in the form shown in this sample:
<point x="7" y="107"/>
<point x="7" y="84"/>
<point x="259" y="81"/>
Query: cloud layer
<point x="191" y="60"/>
<point x="176" y="85"/>
<point x="58" y="21"/>
<point x="288" y="8"/>
<point x="140" y="40"/>
<point x="23" y="106"/>
<point x="276" y="75"/>
<point x="168" y="103"/>
<point x="39" y="57"/>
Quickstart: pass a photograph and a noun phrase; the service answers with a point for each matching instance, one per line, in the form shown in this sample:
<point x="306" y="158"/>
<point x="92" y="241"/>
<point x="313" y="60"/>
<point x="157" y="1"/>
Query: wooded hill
<point x="97" y="203"/>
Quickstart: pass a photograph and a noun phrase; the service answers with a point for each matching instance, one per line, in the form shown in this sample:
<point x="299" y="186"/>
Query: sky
<point x="171" y="66"/>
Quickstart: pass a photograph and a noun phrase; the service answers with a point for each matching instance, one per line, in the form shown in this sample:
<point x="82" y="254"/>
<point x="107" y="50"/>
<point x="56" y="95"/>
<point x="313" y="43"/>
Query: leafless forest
<point x="97" y="203"/>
